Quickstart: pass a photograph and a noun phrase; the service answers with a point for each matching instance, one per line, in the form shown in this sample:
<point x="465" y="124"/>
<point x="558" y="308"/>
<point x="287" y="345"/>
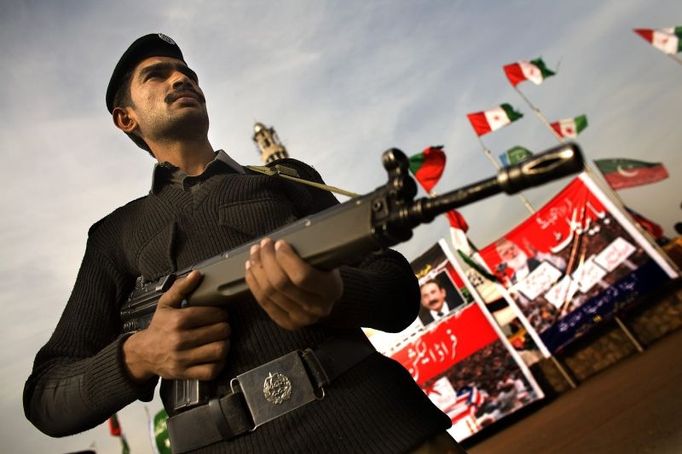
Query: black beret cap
<point x="152" y="45"/>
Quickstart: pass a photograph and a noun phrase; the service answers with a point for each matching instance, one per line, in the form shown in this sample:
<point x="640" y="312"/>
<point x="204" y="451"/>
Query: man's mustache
<point x="185" y="92"/>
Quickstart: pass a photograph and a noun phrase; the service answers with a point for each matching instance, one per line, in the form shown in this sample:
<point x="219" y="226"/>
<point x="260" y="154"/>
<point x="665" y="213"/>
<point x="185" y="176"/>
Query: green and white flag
<point x="493" y="119"/>
<point x="160" y="433"/>
<point x="515" y="155"/>
<point x="535" y="71"/>
<point x="570" y="127"/>
<point x="667" y="40"/>
<point x="626" y="173"/>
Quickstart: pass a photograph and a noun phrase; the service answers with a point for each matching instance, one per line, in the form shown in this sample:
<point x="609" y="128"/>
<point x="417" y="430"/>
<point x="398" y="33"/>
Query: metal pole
<point x="540" y="115"/>
<point x="629" y="334"/>
<point x="563" y="372"/>
<point x="675" y="57"/>
<point x="488" y="154"/>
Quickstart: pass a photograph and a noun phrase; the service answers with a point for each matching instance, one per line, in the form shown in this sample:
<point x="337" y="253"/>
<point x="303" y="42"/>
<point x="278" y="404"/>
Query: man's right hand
<point x="179" y="343"/>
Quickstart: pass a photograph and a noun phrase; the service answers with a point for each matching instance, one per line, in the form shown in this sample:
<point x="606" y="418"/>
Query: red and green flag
<point x="570" y="127"/>
<point x="667" y="40"/>
<point x="458" y="229"/>
<point x="534" y="71"/>
<point x="515" y="155"/>
<point x="626" y="173"/>
<point x="655" y="230"/>
<point x="116" y="431"/>
<point x="493" y="119"/>
<point x="427" y="166"/>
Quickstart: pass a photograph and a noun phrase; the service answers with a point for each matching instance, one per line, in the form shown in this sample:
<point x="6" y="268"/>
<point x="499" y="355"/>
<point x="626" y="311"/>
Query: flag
<point x="427" y="166"/>
<point x="655" y="230"/>
<point x="493" y="119"/>
<point x="570" y="127"/>
<point x="627" y="173"/>
<point x="457" y="221"/>
<point x="469" y="399"/>
<point x="477" y="267"/>
<point x="159" y="433"/>
<point x="667" y="40"/>
<point x="458" y="229"/>
<point x="534" y="71"/>
<point x="114" y="426"/>
<point x="116" y="431"/>
<point x="515" y="155"/>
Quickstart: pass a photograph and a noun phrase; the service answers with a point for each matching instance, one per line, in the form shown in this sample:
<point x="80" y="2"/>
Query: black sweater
<point x="79" y="378"/>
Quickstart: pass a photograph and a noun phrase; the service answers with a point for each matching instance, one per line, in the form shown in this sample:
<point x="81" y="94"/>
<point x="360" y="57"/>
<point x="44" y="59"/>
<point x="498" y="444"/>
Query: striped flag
<point x="493" y="119"/>
<point x="667" y="40"/>
<point x="534" y="71"/>
<point x="116" y="431"/>
<point x="427" y="166"/>
<point x="655" y="230"/>
<point x="468" y="400"/>
<point x="570" y="127"/>
<point x="458" y="230"/>
<point x="627" y="173"/>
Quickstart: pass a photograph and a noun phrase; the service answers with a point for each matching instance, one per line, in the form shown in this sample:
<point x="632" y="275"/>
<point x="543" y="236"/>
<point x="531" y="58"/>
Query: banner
<point x="455" y="353"/>
<point x="453" y="339"/>
<point x="574" y="263"/>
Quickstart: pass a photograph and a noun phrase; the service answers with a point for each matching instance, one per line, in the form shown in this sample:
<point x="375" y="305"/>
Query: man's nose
<point x="180" y="80"/>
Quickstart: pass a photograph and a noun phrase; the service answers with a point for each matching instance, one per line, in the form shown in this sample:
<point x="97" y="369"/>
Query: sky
<point x="341" y="81"/>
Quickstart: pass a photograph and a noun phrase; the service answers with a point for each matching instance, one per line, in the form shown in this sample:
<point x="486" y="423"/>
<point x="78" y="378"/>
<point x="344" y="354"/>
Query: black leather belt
<point x="265" y="393"/>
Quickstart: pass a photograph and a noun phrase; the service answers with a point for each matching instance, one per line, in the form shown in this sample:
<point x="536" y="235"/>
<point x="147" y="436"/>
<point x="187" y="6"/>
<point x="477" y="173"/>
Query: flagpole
<point x="588" y="168"/>
<point x="488" y="154"/>
<point x="675" y="57"/>
<point x="150" y="426"/>
<point x="540" y="115"/>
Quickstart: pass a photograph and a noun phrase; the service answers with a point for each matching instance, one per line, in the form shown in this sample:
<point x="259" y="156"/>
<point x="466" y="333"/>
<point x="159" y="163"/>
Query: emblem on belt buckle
<point x="276" y="388"/>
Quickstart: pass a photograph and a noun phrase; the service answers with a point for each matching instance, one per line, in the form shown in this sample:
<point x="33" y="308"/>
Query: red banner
<point x="458" y="358"/>
<point x="446" y="343"/>
<point x="572" y="264"/>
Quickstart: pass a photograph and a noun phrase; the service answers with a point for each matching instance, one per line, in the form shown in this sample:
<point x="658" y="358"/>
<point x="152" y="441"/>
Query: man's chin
<point x="187" y="121"/>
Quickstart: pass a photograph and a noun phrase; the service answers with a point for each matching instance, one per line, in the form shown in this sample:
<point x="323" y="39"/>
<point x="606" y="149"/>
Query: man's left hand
<point x="293" y="293"/>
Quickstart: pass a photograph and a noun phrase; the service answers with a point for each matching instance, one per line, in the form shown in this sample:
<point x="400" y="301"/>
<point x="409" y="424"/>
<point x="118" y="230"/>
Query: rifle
<point x="343" y="233"/>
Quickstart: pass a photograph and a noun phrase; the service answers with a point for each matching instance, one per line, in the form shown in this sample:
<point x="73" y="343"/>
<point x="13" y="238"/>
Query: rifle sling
<point x="253" y="401"/>
<point x="291" y="174"/>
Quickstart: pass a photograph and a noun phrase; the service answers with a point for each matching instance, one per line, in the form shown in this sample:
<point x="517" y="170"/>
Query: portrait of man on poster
<point x="439" y="297"/>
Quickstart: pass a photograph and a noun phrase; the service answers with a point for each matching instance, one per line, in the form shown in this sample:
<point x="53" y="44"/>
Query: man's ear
<point x="124" y="120"/>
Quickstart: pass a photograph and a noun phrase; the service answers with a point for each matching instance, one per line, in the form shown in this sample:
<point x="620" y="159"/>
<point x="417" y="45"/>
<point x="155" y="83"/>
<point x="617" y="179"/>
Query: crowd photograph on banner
<point x="573" y="264"/>
<point x="456" y="354"/>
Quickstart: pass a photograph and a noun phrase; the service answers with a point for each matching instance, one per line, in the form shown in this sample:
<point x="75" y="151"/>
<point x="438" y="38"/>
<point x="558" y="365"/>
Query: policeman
<point x="285" y="369"/>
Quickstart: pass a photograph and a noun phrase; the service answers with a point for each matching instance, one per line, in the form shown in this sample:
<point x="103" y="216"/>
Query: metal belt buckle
<point x="188" y="393"/>
<point x="276" y="388"/>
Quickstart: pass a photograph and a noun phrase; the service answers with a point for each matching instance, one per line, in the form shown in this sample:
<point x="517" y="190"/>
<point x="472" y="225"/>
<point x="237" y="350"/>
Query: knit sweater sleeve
<point x="79" y="378"/>
<point x="379" y="291"/>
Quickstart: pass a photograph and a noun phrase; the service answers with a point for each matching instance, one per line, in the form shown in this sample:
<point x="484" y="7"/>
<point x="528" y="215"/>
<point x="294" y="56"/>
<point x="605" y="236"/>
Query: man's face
<point x="512" y="255"/>
<point x="167" y="101"/>
<point x="433" y="296"/>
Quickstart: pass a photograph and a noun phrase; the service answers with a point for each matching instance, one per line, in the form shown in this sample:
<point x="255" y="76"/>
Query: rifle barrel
<point x="550" y="165"/>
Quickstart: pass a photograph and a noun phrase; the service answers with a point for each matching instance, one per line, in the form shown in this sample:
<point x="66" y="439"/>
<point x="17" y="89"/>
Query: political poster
<point x="456" y="353"/>
<point x="575" y="262"/>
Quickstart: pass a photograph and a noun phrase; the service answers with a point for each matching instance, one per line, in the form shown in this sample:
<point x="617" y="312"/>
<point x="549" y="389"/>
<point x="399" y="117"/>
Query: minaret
<point x="271" y="149"/>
